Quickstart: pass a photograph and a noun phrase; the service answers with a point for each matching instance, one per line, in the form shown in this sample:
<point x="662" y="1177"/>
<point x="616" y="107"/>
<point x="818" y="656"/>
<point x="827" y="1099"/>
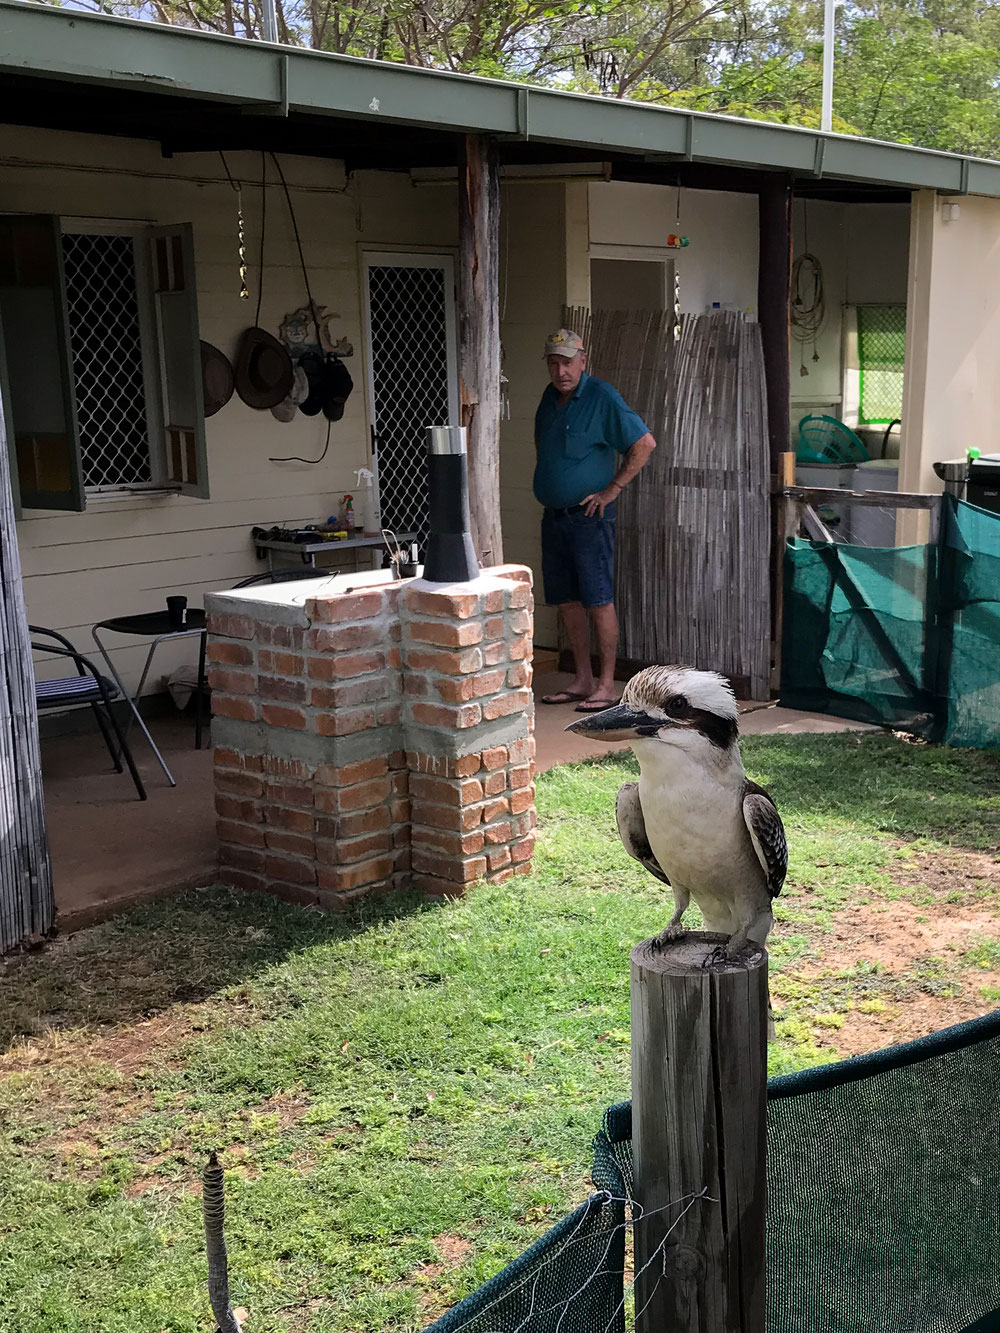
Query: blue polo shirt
<point x="577" y="442"/>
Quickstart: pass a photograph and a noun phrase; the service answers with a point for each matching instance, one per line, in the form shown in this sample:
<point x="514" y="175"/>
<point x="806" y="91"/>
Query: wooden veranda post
<point x="27" y="907"/>
<point x="699" y="1095"/>
<point x="479" y="335"/>
<point x="774" y="282"/>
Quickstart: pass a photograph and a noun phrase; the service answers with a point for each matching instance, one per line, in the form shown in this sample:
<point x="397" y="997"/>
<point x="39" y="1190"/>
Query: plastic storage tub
<point x="875" y="527"/>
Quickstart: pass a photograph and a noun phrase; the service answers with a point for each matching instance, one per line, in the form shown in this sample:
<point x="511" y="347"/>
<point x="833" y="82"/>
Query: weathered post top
<point x="699" y="1095"/>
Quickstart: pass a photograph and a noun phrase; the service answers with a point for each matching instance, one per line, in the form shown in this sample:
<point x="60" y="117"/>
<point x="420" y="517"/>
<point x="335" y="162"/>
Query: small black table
<point x="156" y="625"/>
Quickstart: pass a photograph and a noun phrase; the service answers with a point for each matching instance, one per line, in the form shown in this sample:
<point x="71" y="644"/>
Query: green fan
<point x="826" y="440"/>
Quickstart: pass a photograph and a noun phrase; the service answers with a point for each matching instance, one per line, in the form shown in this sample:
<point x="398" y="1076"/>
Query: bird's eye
<point x="677" y="705"/>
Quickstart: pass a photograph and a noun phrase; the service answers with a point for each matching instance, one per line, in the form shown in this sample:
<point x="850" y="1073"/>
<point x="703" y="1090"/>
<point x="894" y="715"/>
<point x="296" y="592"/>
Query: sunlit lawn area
<point x="406" y="1098"/>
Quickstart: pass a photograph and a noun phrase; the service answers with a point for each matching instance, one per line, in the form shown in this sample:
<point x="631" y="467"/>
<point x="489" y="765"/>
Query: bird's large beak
<point x="620" y="723"/>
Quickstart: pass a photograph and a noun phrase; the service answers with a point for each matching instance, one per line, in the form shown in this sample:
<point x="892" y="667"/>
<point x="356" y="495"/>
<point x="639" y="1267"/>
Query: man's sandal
<point x="563" y="697"/>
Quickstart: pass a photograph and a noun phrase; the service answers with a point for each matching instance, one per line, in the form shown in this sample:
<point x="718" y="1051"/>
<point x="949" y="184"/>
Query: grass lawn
<point x="404" y="1099"/>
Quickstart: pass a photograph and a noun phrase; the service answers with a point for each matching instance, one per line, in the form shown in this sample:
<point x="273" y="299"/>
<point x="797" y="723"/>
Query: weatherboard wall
<point x="126" y="553"/>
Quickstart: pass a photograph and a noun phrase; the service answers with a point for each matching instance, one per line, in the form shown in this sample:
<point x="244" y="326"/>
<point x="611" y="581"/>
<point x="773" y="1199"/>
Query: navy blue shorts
<point x="578" y="557"/>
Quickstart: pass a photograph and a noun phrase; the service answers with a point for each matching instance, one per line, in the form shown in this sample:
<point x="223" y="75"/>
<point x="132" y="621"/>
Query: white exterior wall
<point x="720" y="264"/>
<point x="125" y="554"/>
<point x="952" y="392"/>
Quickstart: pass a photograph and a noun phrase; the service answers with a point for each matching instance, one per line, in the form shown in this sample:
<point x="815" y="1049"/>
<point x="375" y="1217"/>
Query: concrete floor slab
<point x="110" y="850"/>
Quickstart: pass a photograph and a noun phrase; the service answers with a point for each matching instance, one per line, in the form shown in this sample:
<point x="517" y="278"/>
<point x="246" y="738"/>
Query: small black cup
<point x="177" y="611"/>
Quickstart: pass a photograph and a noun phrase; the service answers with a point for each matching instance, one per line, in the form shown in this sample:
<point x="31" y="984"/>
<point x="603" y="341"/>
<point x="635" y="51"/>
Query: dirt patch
<point x="898" y="969"/>
<point x="453" y="1250"/>
<point x="950" y="872"/>
<point x="128" y="1049"/>
<point x="895" y="934"/>
<point x="914" y="1017"/>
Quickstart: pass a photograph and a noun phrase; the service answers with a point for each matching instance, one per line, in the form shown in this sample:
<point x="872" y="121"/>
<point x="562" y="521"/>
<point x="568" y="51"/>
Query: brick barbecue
<point x="373" y="737"/>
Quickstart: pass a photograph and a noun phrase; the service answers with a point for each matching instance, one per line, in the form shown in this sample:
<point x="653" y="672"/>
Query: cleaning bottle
<point x="366" y="517"/>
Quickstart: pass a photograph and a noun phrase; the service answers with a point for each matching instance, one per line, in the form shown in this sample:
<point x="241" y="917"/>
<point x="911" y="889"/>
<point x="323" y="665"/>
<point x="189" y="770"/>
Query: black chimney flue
<point x="451" y="557"/>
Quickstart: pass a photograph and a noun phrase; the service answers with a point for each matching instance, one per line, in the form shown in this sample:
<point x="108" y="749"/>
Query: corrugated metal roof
<point x="95" y="51"/>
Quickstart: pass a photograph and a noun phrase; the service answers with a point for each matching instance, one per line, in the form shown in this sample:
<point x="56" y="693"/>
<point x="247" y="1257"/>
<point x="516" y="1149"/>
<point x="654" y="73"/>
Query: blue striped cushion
<point x="70" y="690"/>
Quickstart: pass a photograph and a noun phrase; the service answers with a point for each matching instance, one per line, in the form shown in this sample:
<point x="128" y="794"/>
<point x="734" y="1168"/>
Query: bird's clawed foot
<point x="735" y="945"/>
<point x="672" y="932"/>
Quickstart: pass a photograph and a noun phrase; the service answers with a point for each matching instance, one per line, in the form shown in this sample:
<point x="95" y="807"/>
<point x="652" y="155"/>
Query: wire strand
<point x="263" y="229"/>
<point x="296" y="458"/>
<point x="298" y="243"/>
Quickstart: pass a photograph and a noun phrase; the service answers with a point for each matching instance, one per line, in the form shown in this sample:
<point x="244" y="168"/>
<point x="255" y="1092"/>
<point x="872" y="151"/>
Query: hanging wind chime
<point x="241" y="246"/>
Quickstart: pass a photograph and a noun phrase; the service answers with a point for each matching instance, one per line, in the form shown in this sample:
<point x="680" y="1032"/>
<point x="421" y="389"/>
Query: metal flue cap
<point x="446" y="439"/>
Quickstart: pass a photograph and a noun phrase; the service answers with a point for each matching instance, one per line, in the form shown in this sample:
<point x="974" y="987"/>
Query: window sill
<point x="136" y="493"/>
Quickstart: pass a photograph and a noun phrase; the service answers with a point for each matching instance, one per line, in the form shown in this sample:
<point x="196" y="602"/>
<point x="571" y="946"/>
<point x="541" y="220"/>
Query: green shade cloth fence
<point x="906" y="637"/>
<point x="883" y="1180"/>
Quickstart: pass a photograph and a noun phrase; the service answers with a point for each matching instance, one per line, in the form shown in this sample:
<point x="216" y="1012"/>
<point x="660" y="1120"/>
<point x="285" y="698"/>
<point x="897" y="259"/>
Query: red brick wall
<point x="375" y="739"/>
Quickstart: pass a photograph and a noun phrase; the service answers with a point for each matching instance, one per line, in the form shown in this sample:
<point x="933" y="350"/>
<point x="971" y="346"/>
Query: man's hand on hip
<point x="599" y="501"/>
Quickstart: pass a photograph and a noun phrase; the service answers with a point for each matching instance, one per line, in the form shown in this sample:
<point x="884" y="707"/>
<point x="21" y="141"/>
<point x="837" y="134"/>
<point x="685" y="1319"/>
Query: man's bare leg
<point x="606" y="624"/>
<point x="574" y="618"/>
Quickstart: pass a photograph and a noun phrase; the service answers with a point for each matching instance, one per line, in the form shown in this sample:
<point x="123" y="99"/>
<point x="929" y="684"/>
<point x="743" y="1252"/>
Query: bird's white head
<point x="670" y="705"/>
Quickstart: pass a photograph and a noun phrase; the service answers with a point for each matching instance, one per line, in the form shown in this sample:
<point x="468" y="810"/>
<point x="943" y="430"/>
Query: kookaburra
<point x="694" y="819"/>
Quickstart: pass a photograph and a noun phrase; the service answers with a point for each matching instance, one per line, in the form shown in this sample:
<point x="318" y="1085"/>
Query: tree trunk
<point x="479" y="336"/>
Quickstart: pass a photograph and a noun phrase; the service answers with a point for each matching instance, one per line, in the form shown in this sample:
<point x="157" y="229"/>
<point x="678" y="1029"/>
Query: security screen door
<point x="412" y="376"/>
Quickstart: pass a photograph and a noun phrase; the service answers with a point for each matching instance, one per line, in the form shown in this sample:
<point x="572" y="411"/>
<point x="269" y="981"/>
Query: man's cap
<point x="564" y="342"/>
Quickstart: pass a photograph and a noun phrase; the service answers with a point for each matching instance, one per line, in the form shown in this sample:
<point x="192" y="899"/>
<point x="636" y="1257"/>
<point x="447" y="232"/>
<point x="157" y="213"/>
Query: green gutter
<point x="51" y="43"/>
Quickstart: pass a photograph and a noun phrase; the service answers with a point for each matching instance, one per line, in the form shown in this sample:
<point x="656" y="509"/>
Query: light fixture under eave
<point x="538" y="173"/>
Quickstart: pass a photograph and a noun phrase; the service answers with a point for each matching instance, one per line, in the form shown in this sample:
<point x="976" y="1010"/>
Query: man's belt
<point x="563" y="513"/>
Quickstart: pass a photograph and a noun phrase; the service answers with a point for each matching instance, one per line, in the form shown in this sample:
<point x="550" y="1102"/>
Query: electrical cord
<point x="295" y="458"/>
<point x="298" y="243"/>
<point x="263" y="230"/>
<point x="808" y="304"/>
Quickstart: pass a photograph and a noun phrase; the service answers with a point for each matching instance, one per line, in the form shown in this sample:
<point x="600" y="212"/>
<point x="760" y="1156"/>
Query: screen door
<point x="412" y="376"/>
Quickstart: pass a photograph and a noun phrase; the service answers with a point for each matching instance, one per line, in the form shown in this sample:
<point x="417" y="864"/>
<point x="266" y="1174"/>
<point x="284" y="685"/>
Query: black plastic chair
<point x="88" y="686"/>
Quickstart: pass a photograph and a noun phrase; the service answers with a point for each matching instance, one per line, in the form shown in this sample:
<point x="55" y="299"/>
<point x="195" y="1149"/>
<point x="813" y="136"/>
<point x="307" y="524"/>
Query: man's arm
<point x="635" y="459"/>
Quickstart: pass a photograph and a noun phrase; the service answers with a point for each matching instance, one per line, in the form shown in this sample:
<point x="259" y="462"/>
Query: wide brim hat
<point x="216" y="378"/>
<point x="330" y="386"/>
<point x="285" y="410"/>
<point x="264" y="371"/>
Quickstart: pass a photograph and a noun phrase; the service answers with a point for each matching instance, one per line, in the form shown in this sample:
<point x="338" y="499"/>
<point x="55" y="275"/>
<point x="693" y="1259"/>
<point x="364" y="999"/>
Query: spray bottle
<point x="365" y="516"/>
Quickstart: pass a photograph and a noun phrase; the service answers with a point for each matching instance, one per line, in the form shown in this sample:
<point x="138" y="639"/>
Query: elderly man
<point x="581" y="427"/>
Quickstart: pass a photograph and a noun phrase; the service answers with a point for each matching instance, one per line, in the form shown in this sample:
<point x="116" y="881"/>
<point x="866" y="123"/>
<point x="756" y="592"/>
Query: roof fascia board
<point x="111" y="52"/>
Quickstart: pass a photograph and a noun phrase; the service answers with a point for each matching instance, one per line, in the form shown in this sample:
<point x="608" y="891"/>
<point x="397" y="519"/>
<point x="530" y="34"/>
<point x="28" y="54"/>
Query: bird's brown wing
<point x="632" y="829"/>
<point x="767" y="833"/>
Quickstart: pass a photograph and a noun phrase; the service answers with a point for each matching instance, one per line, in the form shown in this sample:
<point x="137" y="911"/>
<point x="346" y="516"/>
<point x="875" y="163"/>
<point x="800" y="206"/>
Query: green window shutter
<point x="175" y="301"/>
<point x="39" y="375"/>
<point x="881" y="354"/>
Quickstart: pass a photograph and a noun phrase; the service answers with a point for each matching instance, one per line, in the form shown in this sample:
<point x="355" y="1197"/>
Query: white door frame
<point x="407" y="259"/>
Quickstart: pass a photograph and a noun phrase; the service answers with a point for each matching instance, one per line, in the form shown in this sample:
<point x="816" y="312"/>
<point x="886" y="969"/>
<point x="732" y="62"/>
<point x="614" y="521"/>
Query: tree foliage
<point x="915" y="71"/>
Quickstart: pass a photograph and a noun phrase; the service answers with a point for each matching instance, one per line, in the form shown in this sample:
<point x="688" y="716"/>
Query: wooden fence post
<point x="784" y="527"/>
<point x="699" y="1136"/>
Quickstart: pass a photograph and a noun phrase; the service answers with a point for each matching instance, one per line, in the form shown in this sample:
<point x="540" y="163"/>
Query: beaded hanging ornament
<point x="241" y="240"/>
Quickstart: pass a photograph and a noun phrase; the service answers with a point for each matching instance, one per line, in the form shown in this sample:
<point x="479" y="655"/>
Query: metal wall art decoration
<point x="299" y="328"/>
